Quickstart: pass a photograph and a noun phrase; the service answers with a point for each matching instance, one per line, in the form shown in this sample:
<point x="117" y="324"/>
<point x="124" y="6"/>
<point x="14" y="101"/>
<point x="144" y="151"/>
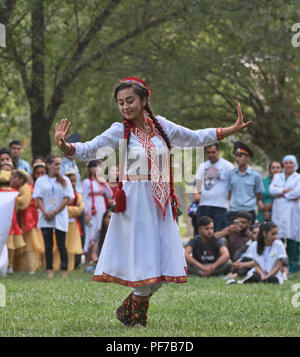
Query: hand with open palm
<point x="61" y="132"/>
<point x="238" y="125"/>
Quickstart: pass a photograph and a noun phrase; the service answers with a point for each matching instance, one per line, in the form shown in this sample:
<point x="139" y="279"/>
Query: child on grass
<point x="267" y="253"/>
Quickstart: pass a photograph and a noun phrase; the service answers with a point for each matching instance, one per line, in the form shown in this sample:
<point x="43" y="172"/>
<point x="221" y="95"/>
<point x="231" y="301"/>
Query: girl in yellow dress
<point x="73" y="239"/>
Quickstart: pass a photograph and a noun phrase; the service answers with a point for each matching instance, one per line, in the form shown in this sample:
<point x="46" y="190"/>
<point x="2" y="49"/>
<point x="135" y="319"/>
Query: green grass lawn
<point x="77" y="306"/>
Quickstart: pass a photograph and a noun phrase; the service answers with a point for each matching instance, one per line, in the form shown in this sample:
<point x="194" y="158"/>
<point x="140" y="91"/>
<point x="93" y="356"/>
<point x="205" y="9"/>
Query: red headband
<point x="137" y="81"/>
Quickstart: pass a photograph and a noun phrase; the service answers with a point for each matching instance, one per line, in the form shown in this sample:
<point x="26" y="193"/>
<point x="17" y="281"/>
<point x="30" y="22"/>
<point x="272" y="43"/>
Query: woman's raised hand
<point x="61" y="132"/>
<point x="240" y="124"/>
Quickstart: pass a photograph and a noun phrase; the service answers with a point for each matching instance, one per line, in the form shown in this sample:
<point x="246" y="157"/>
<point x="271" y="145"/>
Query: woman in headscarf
<point x="285" y="188"/>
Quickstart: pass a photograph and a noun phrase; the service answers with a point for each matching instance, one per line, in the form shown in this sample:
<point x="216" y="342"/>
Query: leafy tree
<point x="53" y="43"/>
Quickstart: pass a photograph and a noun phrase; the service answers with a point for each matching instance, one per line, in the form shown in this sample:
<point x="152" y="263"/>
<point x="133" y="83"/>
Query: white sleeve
<point x="110" y="139"/>
<point x="295" y="193"/>
<point x="85" y="192"/>
<point x="181" y="137"/>
<point x="68" y="190"/>
<point x="275" y="187"/>
<point x="200" y="172"/>
<point x="252" y="251"/>
<point x="37" y="189"/>
<point x="281" y="250"/>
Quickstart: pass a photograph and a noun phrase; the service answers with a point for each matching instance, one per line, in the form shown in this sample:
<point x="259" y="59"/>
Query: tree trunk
<point x="40" y="140"/>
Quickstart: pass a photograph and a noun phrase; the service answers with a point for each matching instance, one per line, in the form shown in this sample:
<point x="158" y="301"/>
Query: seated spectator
<point x="241" y="263"/>
<point x="267" y="253"/>
<point x="205" y="254"/>
<point x="16" y="150"/>
<point x="238" y="233"/>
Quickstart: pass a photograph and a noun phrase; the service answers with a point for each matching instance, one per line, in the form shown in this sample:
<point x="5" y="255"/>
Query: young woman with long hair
<point x="142" y="248"/>
<point x="52" y="193"/>
<point x="267" y="253"/>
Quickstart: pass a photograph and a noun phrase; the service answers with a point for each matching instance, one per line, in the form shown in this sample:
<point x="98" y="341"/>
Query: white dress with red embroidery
<point x="143" y="244"/>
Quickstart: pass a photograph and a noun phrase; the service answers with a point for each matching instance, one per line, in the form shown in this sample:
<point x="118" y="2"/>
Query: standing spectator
<point x="52" y="193"/>
<point x="7" y="216"/>
<point x="5" y="156"/>
<point x="15" y="241"/>
<point x="265" y="204"/>
<point x="68" y="165"/>
<point x="39" y="169"/>
<point x="101" y="237"/>
<point x="94" y="197"/>
<point x="211" y="181"/>
<point x="267" y="253"/>
<point x="285" y="188"/>
<point x="16" y="151"/>
<point x="27" y="217"/>
<point x="205" y="254"/>
<point x="113" y="181"/>
<point x="75" y="209"/>
<point x="244" y="184"/>
<point x="238" y="233"/>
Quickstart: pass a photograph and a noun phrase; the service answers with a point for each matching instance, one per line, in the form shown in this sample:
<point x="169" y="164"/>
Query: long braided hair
<point x="143" y="92"/>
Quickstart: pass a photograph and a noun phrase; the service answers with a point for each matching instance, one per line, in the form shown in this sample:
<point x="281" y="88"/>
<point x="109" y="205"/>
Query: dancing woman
<point x="142" y="248"/>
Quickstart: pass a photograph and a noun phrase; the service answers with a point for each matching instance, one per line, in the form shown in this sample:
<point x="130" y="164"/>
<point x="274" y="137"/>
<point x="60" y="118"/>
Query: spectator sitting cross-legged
<point x="205" y="254"/>
<point x="268" y="253"/>
<point x="241" y="262"/>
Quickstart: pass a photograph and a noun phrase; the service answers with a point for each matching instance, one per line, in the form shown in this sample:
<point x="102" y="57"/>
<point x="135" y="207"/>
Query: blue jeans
<point x="218" y="214"/>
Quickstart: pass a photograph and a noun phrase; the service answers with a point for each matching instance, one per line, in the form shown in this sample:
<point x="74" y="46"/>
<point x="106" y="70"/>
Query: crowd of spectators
<point x="246" y="227"/>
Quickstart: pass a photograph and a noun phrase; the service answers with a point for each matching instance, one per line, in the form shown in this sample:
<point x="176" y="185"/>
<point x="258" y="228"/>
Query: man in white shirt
<point x="211" y="182"/>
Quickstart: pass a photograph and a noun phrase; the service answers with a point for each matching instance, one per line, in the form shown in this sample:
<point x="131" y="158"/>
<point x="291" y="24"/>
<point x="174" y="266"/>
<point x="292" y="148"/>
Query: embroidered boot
<point x="139" y="312"/>
<point x="124" y="312"/>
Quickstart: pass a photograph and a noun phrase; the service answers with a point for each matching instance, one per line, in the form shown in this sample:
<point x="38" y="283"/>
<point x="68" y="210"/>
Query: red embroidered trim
<point x="220" y="135"/>
<point x="159" y="182"/>
<point x="105" y="278"/>
<point x="72" y="151"/>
